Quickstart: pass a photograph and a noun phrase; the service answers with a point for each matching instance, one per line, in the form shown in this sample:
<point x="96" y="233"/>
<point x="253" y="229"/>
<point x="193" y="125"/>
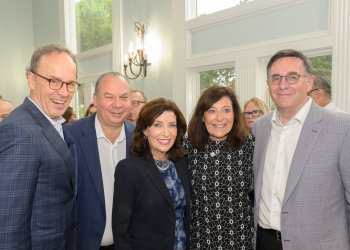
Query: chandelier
<point x="136" y="61"/>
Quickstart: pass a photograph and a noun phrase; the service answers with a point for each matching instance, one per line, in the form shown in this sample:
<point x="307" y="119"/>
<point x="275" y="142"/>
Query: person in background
<point x="6" y="107"/>
<point x="151" y="205"/>
<point x="253" y="109"/>
<point x="321" y="93"/>
<point x="69" y="115"/>
<point x="220" y="153"/>
<point x="37" y="159"/>
<point x="138" y="100"/>
<point x="90" y="110"/>
<point x="103" y="139"/>
<point x="301" y="164"/>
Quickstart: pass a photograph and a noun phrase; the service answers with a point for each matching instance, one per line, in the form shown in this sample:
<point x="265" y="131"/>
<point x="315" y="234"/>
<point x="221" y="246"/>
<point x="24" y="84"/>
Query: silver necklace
<point x="162" y="165"/>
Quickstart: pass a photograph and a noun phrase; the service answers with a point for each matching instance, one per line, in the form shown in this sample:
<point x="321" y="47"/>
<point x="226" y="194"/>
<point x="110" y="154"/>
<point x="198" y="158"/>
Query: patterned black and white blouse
<point x="221" y="180"/>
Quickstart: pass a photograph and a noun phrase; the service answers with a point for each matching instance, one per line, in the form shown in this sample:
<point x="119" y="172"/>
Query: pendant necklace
<point x="162" y="165"/>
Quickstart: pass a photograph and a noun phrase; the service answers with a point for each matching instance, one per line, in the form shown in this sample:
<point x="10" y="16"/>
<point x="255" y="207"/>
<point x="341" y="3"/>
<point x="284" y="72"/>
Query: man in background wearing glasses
<point x="321" y="93"/>
<point x="138" y="100"/>
<point x="37" y="162"/>
<point x="301" y="165"/>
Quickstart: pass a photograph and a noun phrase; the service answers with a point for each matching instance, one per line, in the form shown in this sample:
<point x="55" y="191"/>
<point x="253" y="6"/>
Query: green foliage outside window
<point x="224" y="77"/>
<point x="93" y="24"/>
<point x="322" y="66"/>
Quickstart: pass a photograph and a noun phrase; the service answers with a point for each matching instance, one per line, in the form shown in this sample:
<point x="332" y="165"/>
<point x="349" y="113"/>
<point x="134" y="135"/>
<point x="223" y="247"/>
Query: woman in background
<point x="69" y="115"/>
<point x="152" y="190"/>
<point x="253" y="109"/>
<point x="90" y="110"/>
<point x="220" y="153"/>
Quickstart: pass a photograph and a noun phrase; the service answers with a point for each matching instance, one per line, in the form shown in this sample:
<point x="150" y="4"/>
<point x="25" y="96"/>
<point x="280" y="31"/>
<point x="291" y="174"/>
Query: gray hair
<point x="101" y="77"/>
<point x="44" y="50"/>
<point x="322" y="83"/>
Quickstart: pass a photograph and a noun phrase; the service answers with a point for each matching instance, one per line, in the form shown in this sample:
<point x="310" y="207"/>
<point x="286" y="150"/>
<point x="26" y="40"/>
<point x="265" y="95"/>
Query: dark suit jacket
<point x="90" y="201"/>
<point x="143" y="216"/>
<point x="37" y="183"/>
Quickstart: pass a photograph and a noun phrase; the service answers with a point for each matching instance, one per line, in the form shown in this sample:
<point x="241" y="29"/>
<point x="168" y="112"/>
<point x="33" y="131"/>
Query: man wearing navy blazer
<point x="37" y="163"/>
<point x="301" y="165"/>
<point x="102" y="139"/>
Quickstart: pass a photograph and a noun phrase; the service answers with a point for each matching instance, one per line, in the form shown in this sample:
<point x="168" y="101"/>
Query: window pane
<point x="224" y="77"/>
<point x="322" y="66"/>
<point x="93" y="23"/>
<point x="210" y="6"/>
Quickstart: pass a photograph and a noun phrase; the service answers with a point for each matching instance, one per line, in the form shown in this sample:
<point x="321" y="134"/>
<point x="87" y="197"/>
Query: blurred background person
<point x="220" y="152"/>
<point x="253" y="109"/>
<point x="152" y="190"/>
<point x="6" y="108"/>
<point x="69" y="115"/>
<point x="90" y="110"/>
<point x="321" y="93"/>
<point x="138" y="100"/>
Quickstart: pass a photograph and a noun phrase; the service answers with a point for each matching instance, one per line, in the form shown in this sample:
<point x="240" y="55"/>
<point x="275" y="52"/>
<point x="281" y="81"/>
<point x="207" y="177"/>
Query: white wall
<point x="17" y="43"/>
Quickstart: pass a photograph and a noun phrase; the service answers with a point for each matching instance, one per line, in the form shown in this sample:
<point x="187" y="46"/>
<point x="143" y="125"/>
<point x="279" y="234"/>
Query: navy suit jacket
<point x="143" y="215"/>
<point x="37" y="183"/>
<point x="91" y="210"/>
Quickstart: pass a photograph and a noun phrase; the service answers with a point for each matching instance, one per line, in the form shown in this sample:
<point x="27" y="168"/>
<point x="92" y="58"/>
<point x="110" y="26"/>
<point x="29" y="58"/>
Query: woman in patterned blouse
<point x="152" y="188"/>
<point x="220" y="153"/>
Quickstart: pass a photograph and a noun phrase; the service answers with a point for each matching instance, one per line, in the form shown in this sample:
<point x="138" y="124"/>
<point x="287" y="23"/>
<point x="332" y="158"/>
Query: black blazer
<point x="143" y="215"/>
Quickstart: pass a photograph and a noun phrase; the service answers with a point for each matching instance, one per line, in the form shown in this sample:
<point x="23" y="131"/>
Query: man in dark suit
<point x="102" y="139"/>
<point x="37" y="163"/>
<point x="301" y="165"/>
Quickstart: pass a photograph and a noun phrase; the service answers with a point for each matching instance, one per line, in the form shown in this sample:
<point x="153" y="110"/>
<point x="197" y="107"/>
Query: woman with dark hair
<point x="90" y="110"/>
<point x="152" y="189"/>
<point x="69" y="115"/>
<point x="220" y="153"/>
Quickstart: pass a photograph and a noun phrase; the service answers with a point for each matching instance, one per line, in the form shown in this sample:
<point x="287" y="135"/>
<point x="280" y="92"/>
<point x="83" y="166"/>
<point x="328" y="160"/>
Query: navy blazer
<point x="37" y="183"/>
<point x="143" y="216"/>
<point x="91" y="210"/>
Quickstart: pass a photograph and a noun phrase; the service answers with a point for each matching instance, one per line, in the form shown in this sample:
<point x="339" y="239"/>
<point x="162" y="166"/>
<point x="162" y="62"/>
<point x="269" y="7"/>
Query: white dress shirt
<point x="331" y="106"/>
<point x="110" y="154"/>
<point x="279" y="156"/>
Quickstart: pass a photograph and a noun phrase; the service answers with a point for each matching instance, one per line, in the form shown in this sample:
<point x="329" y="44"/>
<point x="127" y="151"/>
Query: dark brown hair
<point x="67" y="114"/>
<point x="290" y="53"/>
<point x="88" y="110"/>
<point x="197" y="131"/>
<point x="148" y="115"/>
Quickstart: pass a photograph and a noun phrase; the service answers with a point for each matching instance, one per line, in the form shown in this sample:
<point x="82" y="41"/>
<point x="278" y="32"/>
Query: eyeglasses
<point x="291" y="78"/>
<point x="308" y="93"/>
<point x="56" y="84"/>
<point x="136" y="103"/>
<point x="254" y="113"/>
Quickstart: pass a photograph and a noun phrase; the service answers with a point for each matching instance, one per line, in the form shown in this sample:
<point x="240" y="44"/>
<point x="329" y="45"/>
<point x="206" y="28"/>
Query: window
<point x="224" y="77"/>
<point x="210" y="6"/>
<point x="322" y="66"/>
<point x="93" y="24"/>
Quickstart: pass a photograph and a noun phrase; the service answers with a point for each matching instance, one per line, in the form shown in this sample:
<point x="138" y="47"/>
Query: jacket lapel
<point x="89" y="147"/>
<point x="53" y="137"/>
<point x="157" y="180"/>
<point x="307" y="140"/>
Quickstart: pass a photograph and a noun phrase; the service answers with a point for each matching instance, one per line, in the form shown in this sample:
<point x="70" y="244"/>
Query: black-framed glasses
<point x="291" y="78"/>
<point x="254" y="113"/>
<point x="136" y="103"/>
<point x="56" y="84"/>
<point x="308" y="93"/>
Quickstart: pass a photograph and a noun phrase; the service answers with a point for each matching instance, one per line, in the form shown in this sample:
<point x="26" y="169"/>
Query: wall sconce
<point x="136" y="60"/>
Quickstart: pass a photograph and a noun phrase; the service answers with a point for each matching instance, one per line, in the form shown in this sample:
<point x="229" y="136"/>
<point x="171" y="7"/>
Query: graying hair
<point x="101" y="77"/>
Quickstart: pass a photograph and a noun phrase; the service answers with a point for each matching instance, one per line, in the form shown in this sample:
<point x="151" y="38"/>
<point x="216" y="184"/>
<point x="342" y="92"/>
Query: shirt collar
<point x="299" y="117"/>
<point x="100" y="134"/>
<point x="59" y="121"/>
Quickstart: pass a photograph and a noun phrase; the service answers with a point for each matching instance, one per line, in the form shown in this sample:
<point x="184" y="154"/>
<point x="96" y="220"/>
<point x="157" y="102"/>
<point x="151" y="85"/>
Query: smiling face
<point x="219" y="119"/>
<point x="161" y="134"/>
<point x="112" y="101"/>
<point x="290" y="98"/>
<point x="54" y="65"/>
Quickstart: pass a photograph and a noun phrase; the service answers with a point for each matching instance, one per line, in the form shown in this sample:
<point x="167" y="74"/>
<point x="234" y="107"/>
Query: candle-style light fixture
<point x="136" y="60"/>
